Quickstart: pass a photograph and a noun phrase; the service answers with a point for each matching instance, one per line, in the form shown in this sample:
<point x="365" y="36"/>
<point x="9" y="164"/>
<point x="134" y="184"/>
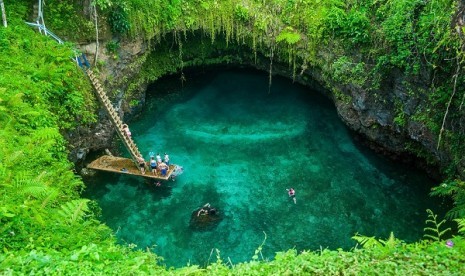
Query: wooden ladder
<point x="114" y="118"/>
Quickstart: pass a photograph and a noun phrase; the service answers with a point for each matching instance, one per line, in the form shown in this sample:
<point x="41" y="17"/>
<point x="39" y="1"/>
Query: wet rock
<point x="87" y="172"/>
<point x="81" y="153"/>
<point x="85" y="139"/>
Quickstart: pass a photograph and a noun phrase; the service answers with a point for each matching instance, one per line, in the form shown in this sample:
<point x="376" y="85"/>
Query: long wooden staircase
<point x="107" y="162"/>
<point x="119" y="164"/>
<point x="114" y="118"/>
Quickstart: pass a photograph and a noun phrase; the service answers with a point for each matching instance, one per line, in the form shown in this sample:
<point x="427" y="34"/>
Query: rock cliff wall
<point x="385" y="117"/>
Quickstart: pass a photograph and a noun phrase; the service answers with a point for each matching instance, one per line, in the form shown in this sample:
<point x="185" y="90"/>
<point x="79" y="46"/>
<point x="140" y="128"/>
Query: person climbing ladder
<point x="126" y="130"/>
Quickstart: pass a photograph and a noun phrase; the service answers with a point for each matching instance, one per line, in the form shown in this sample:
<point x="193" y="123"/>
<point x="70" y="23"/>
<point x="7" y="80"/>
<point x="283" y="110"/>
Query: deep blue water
<point x="241" y="148"/>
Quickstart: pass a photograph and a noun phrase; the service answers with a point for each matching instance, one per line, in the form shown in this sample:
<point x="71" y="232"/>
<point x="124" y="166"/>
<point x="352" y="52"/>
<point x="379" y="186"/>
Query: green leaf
<point x="289" y="35"/>
<point x="74" y="211"/>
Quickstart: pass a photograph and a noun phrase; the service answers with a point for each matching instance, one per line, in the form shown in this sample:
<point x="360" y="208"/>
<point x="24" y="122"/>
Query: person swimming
<point x="205" y="218"/>
<point x="206" y="209"/>
<point x="291" y="193"/>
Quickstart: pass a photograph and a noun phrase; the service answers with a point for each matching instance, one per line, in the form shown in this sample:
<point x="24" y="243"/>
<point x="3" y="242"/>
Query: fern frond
<point x="434" y="238"/>
<point x="74" y="211"/>
<point x="391" y="242"/>
<point x="4" y="174"/>
<point x="41" y="175"/>
<point x="367" y="242"/>
<point x="429" y="229"/>
<point x="103" y="231"/>
<point x="38" y="216"/>
<point x="445" y="189"/>
<point x="35" y="189"/>
<point x="456" y="212"/>
<point x="435" y="232"/>
<point x="11" y="158"/>
<point x="52" y="195"/>
<point x="45" y="134"/>
<point x="461" y="224"/>
<point x="26" y="186"/>
<point x="15" y="101"/>
<point x="441" y="234"/>
<point x="441" y="223"/>
<point x="430" y="221"/>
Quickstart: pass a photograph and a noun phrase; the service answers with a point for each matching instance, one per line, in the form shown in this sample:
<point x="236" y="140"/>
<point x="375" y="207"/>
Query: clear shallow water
<point x="241" y="147"/>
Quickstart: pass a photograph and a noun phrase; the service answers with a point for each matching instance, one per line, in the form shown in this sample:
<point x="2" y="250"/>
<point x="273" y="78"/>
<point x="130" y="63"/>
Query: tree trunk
<point x="2" y="7"/>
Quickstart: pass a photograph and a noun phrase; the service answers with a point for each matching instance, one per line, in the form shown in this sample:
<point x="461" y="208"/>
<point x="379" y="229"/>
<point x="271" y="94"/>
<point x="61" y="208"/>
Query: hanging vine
<point x="270" y="72"/>
<point x="181" y="60"/>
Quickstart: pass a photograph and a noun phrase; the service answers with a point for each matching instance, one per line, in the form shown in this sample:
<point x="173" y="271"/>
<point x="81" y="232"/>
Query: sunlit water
<point x="241" y="147"/>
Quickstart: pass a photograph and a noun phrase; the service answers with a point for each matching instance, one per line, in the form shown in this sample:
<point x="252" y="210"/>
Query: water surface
<point x="241" y="147"/>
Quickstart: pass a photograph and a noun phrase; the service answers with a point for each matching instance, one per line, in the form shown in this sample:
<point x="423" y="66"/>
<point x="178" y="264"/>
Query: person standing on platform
<point x="166" y="159"/>
<point x="141" y="164"/>
<point x="163" y="168"/>
<point x="158" y="157"/>
<point x="153" y="164"/>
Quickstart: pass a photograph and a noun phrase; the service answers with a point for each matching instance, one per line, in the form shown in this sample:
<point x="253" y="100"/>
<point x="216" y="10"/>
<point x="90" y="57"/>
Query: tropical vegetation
<point x="47" y="228"/>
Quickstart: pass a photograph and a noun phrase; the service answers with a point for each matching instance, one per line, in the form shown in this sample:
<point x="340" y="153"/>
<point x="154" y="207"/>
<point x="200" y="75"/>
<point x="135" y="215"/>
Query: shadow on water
<point x="241" y="148"/>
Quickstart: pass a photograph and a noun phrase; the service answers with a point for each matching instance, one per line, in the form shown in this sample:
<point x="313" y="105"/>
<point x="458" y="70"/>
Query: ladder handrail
<point x="114" y="118"/>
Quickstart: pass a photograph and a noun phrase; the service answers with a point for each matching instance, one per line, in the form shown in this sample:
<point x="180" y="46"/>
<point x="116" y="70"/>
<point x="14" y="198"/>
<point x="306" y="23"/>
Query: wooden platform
<point x="125" y="166"/>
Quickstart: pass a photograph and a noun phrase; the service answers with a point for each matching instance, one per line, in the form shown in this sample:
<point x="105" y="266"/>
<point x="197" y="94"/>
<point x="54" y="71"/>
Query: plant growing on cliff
<point x="434" y="231"/>
<point x="383" y="247"/>
<point x="454" y="189"/>
<point x="345" y="71"/>
<point x="118" y="19"/>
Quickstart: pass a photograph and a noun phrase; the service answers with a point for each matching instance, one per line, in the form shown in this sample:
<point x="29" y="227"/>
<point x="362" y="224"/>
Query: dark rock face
<point x="86" y="139"/>
<point x="372" y="116"/>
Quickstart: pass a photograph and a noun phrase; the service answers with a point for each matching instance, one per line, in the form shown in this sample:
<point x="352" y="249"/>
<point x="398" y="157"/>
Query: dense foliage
<point x="45" y="228"/>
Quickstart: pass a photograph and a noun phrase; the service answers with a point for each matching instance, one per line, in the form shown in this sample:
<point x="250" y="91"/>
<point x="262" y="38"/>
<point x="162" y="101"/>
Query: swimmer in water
<point x="291" y="193"/>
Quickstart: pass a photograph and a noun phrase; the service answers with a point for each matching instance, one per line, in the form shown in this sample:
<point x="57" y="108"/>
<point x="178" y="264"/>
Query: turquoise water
<point x="241" y="148"/>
